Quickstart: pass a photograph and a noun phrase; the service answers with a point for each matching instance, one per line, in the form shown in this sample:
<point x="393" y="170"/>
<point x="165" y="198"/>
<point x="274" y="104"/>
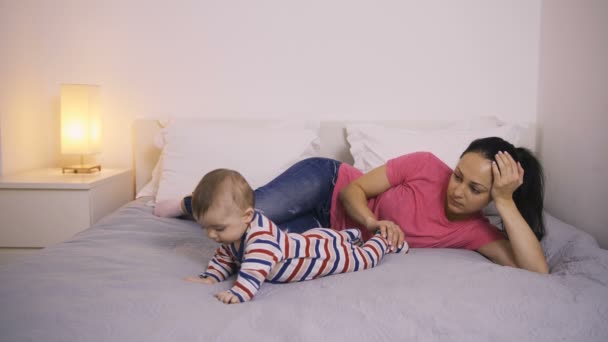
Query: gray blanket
<point x="121" y="280"/>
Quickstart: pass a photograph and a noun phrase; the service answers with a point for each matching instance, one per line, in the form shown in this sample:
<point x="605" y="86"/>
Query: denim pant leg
<point x="298" y="199"/>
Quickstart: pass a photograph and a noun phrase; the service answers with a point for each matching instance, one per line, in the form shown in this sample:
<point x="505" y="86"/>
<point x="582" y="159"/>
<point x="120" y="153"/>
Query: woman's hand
<point x="522" y="249"/>
<point x="389" y="230"/>
<point x="508" y="176"/>
<point x="200" y="280"/>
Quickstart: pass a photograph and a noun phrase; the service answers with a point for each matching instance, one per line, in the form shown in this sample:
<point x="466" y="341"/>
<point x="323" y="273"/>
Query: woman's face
<point x="469" y="187"/>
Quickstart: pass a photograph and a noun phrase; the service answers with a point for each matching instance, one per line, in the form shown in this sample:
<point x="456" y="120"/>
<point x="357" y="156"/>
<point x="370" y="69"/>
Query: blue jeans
<point x="298" y="199"/>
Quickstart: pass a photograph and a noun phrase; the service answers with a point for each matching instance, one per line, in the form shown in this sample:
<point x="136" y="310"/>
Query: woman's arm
<point x="354" y="199"/>
<point x="523" y="249"/>
<point x="526" y="249"/>
<point x="502" y="253"/>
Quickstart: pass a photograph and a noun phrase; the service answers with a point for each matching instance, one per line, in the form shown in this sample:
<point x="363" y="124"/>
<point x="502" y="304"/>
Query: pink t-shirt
<point x="415" y="201"/>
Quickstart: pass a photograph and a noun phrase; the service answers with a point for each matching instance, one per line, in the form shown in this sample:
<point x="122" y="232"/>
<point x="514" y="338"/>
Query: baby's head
<point x="223" y="203"/>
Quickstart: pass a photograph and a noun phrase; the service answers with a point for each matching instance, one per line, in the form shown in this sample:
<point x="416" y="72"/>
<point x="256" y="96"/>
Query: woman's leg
<point x="303" y="190"/>
<point x="299" y="198"/>
<point x="300" y="224"/>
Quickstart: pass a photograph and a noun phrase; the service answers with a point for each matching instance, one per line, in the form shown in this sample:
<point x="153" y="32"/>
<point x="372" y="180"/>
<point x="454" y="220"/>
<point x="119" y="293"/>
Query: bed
<point x="122" y="280"/>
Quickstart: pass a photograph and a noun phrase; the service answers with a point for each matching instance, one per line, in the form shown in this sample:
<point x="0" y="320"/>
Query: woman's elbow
<point x="539" y="268"/>
<point x="542" y="269"/>
<point x="345" y="194"/>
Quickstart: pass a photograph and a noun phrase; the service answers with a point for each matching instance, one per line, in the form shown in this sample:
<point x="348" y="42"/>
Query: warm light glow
<point x="80" y="119"/>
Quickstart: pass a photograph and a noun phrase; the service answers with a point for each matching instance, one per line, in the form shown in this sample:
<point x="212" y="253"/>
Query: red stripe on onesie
<point x="346" y="258"/>
<point x="246" y="290"/>
<point x="265" y="251"/>
<point x="250" y="237"/>
<point x="295" y="271"/>
<point x="325" y="259"/>
<point x="373" y="247"/>
<point x="365" y="256"/>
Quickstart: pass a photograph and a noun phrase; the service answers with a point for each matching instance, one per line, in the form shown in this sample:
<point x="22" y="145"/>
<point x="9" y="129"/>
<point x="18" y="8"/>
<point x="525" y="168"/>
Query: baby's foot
<point x="404" y="248"/>
<point x="352" y="235"/>
<point x="168" y="208"/>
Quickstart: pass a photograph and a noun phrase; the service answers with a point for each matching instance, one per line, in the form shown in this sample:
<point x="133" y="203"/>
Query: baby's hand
<point x="227" y="297"/>
<point x="200" y="280"/>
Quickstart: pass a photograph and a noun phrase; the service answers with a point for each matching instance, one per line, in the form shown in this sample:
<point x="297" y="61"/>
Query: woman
<point x="419" y="198"/>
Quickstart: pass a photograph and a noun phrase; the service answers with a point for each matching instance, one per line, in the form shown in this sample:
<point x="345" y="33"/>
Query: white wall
<point x="336" y="59"/>
<point x="573" y="112"/>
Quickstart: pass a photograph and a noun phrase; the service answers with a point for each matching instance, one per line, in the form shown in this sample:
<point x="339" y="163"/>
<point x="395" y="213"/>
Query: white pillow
<point x="260" y="151"/>
<point x="151" y="188"/>
<point x="372" y="145"/>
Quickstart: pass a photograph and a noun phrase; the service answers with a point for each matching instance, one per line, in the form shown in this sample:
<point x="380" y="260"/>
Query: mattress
<point x="122" y="279"/>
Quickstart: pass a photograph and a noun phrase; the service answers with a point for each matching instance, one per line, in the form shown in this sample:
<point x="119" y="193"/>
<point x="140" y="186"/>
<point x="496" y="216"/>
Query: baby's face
<point x="226" y="223"/>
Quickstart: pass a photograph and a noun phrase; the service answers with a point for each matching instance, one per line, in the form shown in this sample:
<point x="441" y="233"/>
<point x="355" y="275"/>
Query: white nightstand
<point x="43" y="207"/>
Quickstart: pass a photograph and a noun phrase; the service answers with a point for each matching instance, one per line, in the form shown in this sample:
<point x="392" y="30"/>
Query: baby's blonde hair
<point x="219" y="182"/>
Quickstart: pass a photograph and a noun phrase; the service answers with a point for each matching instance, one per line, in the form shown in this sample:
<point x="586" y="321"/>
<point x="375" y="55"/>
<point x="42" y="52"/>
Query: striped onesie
<point x="268" y="254"/>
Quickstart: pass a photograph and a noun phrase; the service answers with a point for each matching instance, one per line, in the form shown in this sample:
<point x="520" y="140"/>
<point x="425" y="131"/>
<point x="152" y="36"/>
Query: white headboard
<point x="332" y="133"/>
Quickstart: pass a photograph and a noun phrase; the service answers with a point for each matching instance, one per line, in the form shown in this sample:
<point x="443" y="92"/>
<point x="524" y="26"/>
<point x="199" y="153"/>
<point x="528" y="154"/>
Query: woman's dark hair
<point x="529" y="196"/>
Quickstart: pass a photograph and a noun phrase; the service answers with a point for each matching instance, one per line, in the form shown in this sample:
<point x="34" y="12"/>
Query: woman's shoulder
<point x="418" y="164"/>
<point x="419" y="157"/>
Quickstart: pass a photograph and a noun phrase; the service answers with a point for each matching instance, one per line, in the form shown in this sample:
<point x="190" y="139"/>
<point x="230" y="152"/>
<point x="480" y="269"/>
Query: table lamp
<point x="80" y="124"/>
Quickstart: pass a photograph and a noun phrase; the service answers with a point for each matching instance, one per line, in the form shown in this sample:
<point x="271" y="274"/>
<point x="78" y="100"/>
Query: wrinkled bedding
<point x="121" y="280"/>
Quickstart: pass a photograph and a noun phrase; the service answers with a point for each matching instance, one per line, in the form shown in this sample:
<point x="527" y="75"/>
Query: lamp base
<point x="89" y="168"/>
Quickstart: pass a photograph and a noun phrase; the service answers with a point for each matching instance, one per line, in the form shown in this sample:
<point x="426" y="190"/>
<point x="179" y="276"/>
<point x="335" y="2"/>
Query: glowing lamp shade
<point x="80" y="122"/>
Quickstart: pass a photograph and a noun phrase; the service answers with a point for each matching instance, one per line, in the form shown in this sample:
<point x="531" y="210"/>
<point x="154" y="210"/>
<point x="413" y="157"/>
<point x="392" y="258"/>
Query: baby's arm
<point x="220" y="267"/>
<point x="200" y="280"/>
<point x="262" y="253"/>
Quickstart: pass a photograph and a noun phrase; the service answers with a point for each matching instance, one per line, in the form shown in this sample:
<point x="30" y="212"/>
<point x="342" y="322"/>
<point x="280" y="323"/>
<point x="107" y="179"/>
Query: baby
<point x="223" y="204"/>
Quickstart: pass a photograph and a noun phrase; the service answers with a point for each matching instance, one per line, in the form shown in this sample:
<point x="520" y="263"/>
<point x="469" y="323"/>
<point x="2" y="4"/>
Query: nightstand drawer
<point x="35" y="218"/>
<point x="110" y="196"/>
<point x="46" y="207"/>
